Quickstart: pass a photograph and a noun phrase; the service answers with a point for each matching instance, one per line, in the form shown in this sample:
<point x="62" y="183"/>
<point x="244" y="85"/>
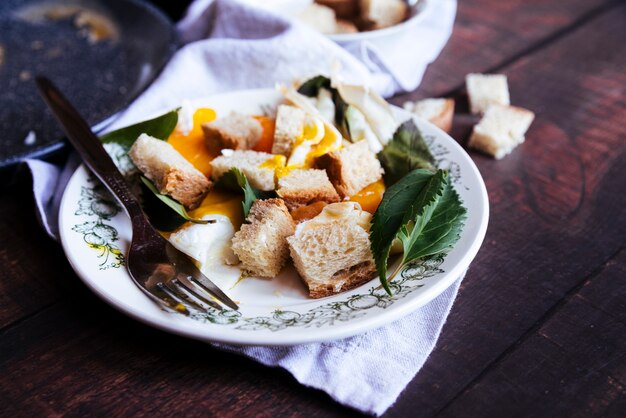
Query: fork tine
<point x="194" y="275"/>
<point x="206" y="289"/>
<point x="166" y="298"/>
<point x="180" y="295"/>
<point x="196" y="292"/>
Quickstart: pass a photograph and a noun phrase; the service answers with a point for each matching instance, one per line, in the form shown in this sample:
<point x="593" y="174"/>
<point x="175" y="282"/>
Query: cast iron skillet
<point x="101" y="53"/>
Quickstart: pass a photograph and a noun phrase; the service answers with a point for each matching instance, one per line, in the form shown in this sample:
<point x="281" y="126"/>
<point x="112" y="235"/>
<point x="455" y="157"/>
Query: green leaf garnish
<point x="160" y="127"/>
<point x="405" y="152"/>
<point x="234" y="179"/>
<point x="311" y="87"/>
<point x="424" y="212"/>
<point x="173" y="204"/>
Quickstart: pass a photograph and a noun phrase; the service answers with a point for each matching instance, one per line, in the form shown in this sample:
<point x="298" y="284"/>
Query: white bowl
<point x="380" y="36"/>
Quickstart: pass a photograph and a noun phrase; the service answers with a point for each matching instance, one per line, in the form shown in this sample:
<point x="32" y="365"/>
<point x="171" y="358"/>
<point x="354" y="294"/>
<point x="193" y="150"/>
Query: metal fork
<point x="160" y="270"/>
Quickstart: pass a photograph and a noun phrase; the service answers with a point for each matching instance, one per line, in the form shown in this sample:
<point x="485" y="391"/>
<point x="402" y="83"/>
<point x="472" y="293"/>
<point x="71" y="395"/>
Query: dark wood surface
<point x="538" y="328"/>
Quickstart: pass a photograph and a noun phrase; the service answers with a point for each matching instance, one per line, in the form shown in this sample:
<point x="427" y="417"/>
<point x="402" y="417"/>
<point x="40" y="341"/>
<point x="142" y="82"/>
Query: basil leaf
<point x="160" y="127"/>
<point x="311" y="87"/>
<point x="173" y="204"/>
<point x="405" y="152"/>
<point x="234" y="179"/>
<point x="341" y="111"/>
<point x="423" y="211"/>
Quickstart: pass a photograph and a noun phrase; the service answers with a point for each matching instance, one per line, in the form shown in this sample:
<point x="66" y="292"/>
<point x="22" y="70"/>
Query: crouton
<point x="344" y="9"/>
<point x="345" y="26"/>
<point x="235" y="131"/>
<point x="250" y="163"/>
<point x="380" y="14"/>
<point x="439" y="112"/>
<point x="170" y="172"/>
<point x="501" y="129"/>
<point x="261" y="244"/>
<point x="351" y="168"/>
<point x="484" y="90"/>
<point x="303" y="187"/>
<point x="320" y="18"/>
<point x="290" y="123"/>
<point x="332" y="251"/>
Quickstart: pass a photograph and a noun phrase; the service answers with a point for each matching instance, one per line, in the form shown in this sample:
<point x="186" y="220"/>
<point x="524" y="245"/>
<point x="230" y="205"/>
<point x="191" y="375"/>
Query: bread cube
<point x="332" y="251"/>
<point x="439" y="112"/>
<point x="484" y="90"/>
<point x="303" y="187"/>
<point x="319" y="17"/>
<point x="250" y="163"/>
<point x="290" y="123"/>
<point x="380" y="14"/>
<point x="501" y="129"/>
<point x="170" y="172"/>
<point x="261" y="244"/>
<point x="235" y="131"/>
<point x="351" y="168"/>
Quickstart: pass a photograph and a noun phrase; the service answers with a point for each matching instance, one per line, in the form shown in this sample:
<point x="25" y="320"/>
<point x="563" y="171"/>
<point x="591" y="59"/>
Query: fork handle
<point x="89" y="147"/>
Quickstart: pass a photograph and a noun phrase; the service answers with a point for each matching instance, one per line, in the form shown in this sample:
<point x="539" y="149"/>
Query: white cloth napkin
<point x="232" y="46"/>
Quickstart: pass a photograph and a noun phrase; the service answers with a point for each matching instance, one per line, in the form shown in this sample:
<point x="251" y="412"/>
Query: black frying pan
<point x="101" y="53"/>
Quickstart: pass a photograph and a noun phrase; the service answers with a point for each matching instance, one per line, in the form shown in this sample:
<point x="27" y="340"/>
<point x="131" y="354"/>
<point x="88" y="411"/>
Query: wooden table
<point x="538" y="328"/>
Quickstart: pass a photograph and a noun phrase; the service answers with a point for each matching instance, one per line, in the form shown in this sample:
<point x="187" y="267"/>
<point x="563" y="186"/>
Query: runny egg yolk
<point x="192" y="145"/>
<point x="277" y="161"/>
<point x="370" y="196"/>
<point x="267" y="137"/>
<point x="317" y="138"/>
<point x="221" y="203"/>
<point x="330" y="142"/>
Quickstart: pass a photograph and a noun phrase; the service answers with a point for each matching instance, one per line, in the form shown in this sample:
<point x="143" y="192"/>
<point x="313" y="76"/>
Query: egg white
<point x="210" y="246"/>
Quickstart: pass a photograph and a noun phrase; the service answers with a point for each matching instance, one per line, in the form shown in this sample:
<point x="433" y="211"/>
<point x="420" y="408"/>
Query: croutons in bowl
<point x="346" y="21"/>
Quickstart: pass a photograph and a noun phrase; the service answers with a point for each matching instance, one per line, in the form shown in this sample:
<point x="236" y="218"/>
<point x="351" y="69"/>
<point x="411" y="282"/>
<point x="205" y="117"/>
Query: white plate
<point x="95" y="234"/>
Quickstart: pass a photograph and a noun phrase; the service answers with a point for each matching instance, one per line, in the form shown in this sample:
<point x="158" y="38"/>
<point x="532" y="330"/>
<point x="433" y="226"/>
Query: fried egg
<point x="209" y="245"/>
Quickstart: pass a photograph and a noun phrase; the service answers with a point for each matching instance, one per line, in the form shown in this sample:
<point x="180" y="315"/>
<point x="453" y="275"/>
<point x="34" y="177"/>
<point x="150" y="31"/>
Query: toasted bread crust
<point x="289" y="125"/>
<point x="341" y="167"/>
<point x="170" y="172"/>
<point x="342" y="8"/>
<point x="300" y="198"/>
<point x="296" y="188"/>
<point x="234" y="131"/>
<point x="352" y="277"/>
<point x="444" y="119"/>
<point x="188" y="190"/>
<point x="331" y="162"/>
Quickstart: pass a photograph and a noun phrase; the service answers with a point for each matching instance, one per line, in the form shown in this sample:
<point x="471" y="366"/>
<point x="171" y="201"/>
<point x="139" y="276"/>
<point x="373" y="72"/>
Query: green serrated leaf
<point x="388" y="218"/>
<point x="236" y="180"/>
<point x="312" y="86"/>
<point x="423" y="211"/>
<point x="405" y="152"/>
<point x="160" y="127"/>
<point x="171" y="203"/>
<point x="443" y="230"/>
